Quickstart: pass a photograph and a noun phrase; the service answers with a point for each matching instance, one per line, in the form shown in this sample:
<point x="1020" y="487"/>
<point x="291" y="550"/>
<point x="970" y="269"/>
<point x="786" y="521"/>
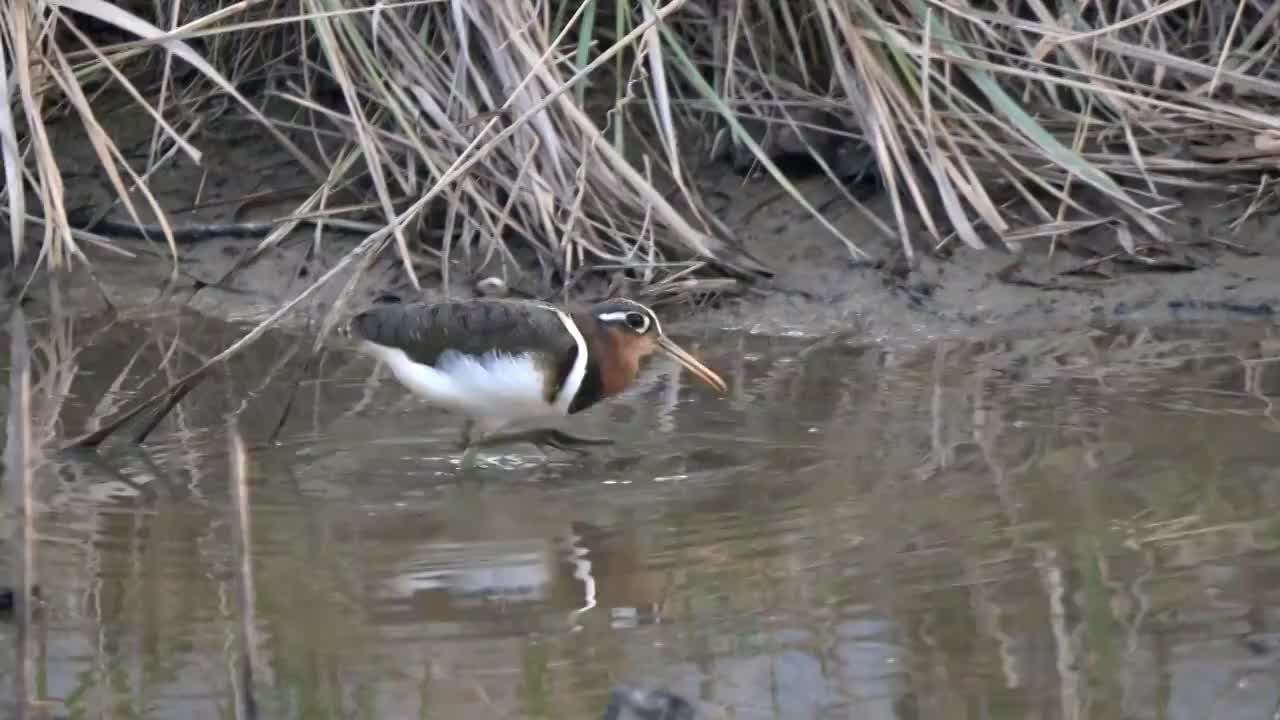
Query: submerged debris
<point x="629" y="703"/>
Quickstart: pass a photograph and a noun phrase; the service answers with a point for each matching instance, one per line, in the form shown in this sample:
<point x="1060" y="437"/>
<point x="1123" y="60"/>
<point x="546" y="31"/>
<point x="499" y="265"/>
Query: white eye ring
<point x="638" y="322"/>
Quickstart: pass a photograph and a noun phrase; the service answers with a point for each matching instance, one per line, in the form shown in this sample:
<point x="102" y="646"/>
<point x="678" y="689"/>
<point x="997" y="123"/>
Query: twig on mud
<point x="1235" y="247"/>
<point x="1011" y="275"/>
<point x="1092" y="263"/>
<point x="197" y="232"/>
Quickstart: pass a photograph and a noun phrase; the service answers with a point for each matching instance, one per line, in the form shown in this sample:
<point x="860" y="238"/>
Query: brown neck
<point x="615" y="376"/>
<point x="604" y="380"/>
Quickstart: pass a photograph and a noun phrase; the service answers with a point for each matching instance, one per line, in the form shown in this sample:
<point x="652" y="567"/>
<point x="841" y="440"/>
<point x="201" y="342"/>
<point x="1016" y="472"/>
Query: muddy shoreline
<point x="818" y="288"/>
<point x="1211" y="267"/>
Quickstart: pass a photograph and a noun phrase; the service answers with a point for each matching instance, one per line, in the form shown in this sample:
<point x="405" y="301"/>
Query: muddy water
<point x="1078" y="526"/>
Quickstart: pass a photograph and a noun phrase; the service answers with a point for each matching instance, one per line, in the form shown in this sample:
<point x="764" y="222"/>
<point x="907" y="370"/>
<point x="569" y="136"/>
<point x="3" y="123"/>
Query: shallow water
<point x="1077" y="526"/>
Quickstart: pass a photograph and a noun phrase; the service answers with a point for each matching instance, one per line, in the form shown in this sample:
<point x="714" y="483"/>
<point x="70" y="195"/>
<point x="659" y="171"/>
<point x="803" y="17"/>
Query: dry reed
<point x="1126" y="102"/>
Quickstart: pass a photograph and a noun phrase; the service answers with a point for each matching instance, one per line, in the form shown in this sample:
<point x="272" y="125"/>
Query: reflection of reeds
<point x="246" y="704"/>
<point x="18" y="486"/>
<point x="989" y="577"/>
<point x="163" y="402"/>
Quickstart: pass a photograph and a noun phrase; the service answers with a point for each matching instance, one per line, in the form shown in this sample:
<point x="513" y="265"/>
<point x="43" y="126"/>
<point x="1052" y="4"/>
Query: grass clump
<point x="559" y="139"/>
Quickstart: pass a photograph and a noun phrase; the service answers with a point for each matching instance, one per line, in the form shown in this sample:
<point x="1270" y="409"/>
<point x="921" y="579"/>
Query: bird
<point x="499" y="362"/>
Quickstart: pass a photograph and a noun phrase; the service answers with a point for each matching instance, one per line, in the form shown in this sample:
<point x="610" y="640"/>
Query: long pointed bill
<point x="704" y="373"/>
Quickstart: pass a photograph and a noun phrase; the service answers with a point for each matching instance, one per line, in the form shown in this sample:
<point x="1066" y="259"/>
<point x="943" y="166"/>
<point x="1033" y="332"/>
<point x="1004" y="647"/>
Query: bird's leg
<point x="468" y="427"/>
<point x="470" y="446"/>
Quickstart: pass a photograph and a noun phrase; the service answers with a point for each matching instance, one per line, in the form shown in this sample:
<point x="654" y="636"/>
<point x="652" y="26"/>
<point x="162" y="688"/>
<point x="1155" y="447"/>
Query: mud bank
<point x="818" y="288"/>
<point x="1210" y="266"/>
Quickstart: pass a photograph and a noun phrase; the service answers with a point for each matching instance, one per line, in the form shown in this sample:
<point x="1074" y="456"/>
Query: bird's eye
<point x="638" y="322"/>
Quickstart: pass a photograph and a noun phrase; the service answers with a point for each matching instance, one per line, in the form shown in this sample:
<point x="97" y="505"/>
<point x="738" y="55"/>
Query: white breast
<point x="494" y="389"/>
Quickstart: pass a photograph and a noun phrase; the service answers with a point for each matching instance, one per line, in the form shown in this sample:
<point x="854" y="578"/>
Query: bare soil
<point x="1207" y="268"/>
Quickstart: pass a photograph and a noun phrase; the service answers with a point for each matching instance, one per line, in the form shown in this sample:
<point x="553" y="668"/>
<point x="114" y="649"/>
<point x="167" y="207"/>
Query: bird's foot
<point x="542" y="439"/>
<point x="567" y="442"/>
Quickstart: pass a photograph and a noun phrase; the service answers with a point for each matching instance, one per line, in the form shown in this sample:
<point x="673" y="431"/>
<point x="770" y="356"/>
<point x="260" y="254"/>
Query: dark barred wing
<point x="474" y="327"/>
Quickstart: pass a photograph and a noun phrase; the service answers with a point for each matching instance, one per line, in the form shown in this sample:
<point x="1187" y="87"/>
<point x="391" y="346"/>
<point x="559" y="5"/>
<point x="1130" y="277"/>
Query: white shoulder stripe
<point x="573" y="381"/>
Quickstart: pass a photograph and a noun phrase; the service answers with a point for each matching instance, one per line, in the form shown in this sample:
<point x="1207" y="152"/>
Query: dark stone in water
<point x="8" y="597"/>
<point x="628" y="703"/>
